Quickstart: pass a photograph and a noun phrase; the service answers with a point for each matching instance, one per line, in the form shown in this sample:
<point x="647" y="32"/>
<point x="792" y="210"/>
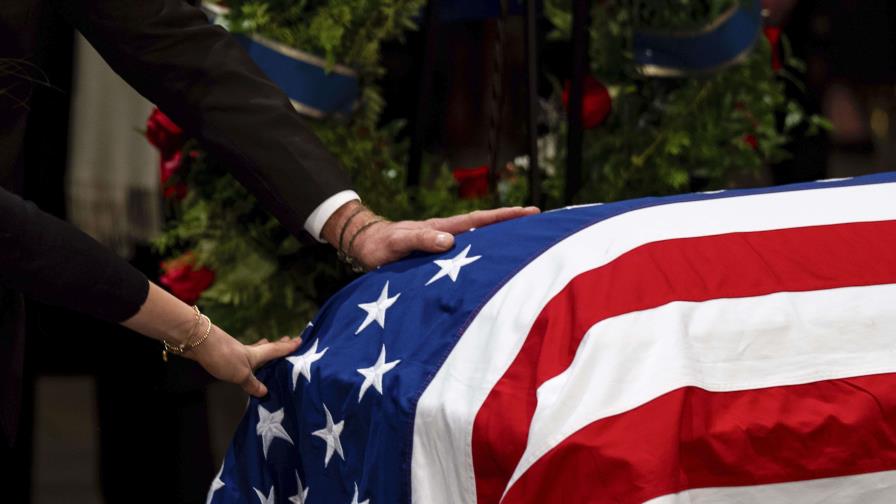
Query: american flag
<point x="734" y="346"/>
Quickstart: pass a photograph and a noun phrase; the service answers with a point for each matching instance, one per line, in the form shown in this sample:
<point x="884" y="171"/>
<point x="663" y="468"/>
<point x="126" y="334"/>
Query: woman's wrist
<point x="204" y="342"/>
<point x="164" y="317"/>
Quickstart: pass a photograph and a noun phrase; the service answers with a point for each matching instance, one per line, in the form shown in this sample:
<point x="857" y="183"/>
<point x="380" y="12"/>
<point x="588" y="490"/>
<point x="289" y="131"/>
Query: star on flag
<point x="217" y="484"/>
<point x="376" y="310"/>
<point x="301" y="494"/>
<point x="270" y="427"/>
<point x="301" y="364"/>
<point x="330" y="434"/>
<point x="355" y="498"/>
<point x="265" y="500"/>
<point x="451" y="267"/>
<point x="373" y="375"/>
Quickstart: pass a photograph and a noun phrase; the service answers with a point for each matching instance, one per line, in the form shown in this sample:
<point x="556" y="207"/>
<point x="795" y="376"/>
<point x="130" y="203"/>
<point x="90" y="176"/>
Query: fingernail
<point x="443" y="240"/>
<point x="285" y="338"/>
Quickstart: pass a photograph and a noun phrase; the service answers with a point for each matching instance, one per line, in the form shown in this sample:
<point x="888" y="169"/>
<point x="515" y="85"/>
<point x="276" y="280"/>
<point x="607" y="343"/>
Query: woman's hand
<point x="227" y="359"/>
<point x="166" y="318"/>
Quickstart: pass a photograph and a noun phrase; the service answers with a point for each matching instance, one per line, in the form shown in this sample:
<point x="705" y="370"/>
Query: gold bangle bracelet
<point x="187" y="346"/>
<point x="208" y="330"/>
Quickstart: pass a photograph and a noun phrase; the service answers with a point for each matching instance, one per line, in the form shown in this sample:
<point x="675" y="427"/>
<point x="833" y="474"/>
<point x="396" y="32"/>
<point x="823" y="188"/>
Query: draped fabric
<point x="731" y="346"/>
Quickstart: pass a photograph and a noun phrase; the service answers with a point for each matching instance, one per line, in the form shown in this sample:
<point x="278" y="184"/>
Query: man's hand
<point x="385" y="242"/>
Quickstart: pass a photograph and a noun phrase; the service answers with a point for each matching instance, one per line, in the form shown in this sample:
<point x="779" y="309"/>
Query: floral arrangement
<point x="247" y="272"/>
<point x="645" y="135"/>
<point x="649" y="135"/>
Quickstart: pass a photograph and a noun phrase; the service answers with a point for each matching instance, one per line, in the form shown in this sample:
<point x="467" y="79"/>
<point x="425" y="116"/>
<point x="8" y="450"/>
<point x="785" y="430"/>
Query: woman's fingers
<point x="259" y="354"/>
<point x="262" y="354"/>
<point x="253" y="386"/>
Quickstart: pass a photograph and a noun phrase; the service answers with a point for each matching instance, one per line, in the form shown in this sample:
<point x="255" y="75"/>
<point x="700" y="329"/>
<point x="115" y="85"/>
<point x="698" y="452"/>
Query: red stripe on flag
<point x="691" y="438"/>
<point x="688" y="269"/>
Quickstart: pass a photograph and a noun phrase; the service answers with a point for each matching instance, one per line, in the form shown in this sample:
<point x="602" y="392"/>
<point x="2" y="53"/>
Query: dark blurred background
<point x="110" y="422"/>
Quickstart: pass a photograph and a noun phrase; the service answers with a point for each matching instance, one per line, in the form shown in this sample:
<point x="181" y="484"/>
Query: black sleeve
<point x="203" y="79"/>
<point x="53" y="262"/>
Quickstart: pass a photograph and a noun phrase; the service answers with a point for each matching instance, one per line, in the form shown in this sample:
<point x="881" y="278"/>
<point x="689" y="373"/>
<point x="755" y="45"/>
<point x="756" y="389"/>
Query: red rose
<point x="596" y="102"/>
<point x="169" y="167"/>
<point x="164" y="134"/>
<point x="169" y="139"/>
<point x="183" y="280"/>
<point x="750" y="139"/>
<point x="773" y="35"/>
<point x="473" y="181"/>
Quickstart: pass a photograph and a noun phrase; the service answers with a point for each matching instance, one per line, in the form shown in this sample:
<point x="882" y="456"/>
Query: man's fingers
<point x="254" y="387"/>
<point x="262" y="354"/>
<point x="396" y="240"/>
<point x="425" y="239"/>
<point x="480" y="218"/>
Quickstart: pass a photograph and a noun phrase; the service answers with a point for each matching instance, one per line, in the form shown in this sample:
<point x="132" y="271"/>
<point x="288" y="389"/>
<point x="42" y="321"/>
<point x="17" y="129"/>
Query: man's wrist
<point x="324" y="212"/>
<point x="345" y="222"/>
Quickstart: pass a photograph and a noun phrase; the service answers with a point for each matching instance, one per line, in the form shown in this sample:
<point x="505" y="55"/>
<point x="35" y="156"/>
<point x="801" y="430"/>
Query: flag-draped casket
<point x="735" y="346"/>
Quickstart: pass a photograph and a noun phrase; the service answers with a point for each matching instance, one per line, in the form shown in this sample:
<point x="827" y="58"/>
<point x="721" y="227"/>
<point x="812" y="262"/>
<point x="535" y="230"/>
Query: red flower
<point x="473" y="181"/>
<point x="750" y="139"/>
<point x="596" y="102"/>
<point x="183" y="280"/>
<point x="169" y="139"/>
<point x="169" y="167"/>
<point x="773" y="35"/>
<point x="164" y="134"/>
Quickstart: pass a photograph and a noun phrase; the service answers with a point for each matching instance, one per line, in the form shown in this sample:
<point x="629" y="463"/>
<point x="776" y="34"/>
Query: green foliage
<point x="348" y="32"/>
<point x="268" y="283"/>
<point x="661" y="134"/>
<point x="664" y="133"/>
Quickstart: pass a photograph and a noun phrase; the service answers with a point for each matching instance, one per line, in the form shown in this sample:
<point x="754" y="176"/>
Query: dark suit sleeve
<point x="53" y="262"/>
<point x="203" y="79"/>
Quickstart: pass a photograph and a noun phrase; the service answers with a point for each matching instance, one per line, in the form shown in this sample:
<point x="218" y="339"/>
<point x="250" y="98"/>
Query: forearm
<point x="200" y="76"/>
<point x="164" y="317"/>
<point x="53" y="262"/>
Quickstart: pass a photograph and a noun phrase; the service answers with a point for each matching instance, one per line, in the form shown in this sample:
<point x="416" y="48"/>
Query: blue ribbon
<point x="313" y="89"/>
<point x="723" y="42"/>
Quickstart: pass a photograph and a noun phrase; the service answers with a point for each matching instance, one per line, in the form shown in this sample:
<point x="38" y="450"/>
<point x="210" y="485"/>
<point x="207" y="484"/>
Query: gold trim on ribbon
<point x="308" y="111"/>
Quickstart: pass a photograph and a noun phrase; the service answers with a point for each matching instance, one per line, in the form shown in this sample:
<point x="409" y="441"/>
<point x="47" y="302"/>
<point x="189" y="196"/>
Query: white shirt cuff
<point x="314" y="224"/>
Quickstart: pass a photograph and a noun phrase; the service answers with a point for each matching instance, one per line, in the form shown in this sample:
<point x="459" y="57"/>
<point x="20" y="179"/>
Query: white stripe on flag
<point x="871" y="488"/>
<point x="786" y="338"/>
<point x="442" y="466"/>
